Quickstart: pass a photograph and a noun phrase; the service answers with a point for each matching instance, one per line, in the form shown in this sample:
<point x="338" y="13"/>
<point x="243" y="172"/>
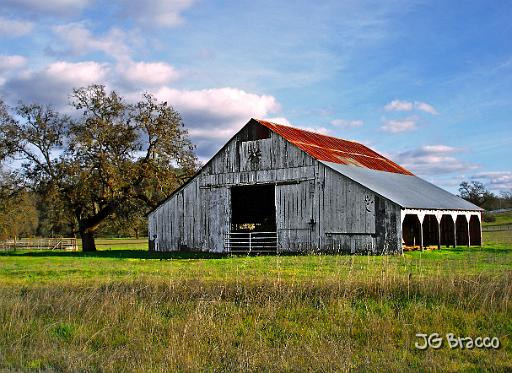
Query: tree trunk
<point x="88" y="243"/>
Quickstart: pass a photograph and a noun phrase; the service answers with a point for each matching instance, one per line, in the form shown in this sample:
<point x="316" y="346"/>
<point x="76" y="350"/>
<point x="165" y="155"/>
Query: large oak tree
<point x="106" y="155"/>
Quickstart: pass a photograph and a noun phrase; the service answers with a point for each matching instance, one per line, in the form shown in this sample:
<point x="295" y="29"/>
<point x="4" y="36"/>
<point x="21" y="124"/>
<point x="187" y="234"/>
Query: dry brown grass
<point x="330" y="324"/>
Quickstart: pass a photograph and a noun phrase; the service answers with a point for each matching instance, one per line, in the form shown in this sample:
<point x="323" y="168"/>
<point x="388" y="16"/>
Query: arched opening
<point x="447" y="230"/>
<point x="411" y="230"/>
<point x="462" y="230"/>
<point x="474" y="231"/>
<point x="430" y="231"/>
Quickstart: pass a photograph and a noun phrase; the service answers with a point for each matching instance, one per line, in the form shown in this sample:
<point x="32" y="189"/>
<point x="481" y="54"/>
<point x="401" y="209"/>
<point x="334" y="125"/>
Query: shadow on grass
<point x="119" y="254"/>
<point x="499" y="249"/>
<point x="503" y="249"/>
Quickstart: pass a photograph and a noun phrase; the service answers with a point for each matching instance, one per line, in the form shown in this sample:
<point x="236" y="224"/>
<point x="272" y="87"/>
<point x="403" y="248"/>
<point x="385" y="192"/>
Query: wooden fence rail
<point x="39" y="244"/>
<point x="492" y="228"/>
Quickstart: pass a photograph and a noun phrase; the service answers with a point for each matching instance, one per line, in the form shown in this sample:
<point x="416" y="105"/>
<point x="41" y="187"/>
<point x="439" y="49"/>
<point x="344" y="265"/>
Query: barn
<point x="275" y="188"/>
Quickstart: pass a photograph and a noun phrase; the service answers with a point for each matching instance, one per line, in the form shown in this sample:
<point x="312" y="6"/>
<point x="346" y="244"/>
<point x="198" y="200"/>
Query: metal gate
<point x="251" y="242"/>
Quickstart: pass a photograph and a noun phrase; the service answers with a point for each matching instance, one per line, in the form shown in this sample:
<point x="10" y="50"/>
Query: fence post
<point x="250" y="241"/>
<point x="277" y="243"/>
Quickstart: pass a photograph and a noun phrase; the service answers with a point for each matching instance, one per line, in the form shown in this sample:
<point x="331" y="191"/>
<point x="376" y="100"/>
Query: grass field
<point x="504" y="218"/>
<point x="124" y="309"/>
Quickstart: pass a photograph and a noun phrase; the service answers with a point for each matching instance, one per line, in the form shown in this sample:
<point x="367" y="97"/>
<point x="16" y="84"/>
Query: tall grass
<point x="126" y="310"/>
<point x="265" y="324"/>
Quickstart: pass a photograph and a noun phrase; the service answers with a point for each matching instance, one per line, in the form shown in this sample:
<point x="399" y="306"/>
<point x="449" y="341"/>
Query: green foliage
<point x="62" y="331"/>
<point x="488" y="218"/>
<point x="18" y="212"/>
<point x="476" y="193"/>
<point x="115" y="160"/>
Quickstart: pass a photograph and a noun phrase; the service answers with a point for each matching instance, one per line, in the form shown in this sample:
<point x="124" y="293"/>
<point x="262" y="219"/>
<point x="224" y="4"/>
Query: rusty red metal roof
<point x="332" y="149"/>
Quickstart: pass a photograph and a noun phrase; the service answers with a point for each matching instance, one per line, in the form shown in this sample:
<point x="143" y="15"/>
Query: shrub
<point x="489" y="218"/>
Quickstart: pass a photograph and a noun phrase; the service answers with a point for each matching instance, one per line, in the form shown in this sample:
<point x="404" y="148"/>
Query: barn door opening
<point x="253" y="219"/>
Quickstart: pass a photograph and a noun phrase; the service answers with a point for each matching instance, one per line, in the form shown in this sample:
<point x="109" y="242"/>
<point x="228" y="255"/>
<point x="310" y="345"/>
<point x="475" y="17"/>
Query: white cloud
<point x="54" y="7"/>
<point x="11" y="62"/>
<point x="14" y="28"/>
<point x="82" y="73"/>
<point x="495" y="180"/>
<point x="439" y="149"/>
<point x="220" y="103"/>
<point x="427" y="108"/>
<point x="433" y="160"/>
<point x="54" y="83"/>
<point x="10" y="65"/>
<point x="166" y="13"/>
<point x="285" y="122"/>
<point x="398" y="126"/>
<point x="321" y="130"/>
<point x="148" y="74"/>
<point x="80" y="41"/>
<point x="398" y="105"/>
<point x="212" y="116"/>
<point x="129" y="74"/>
<point x="347" y="123"/>
<point x="279" y="120"/>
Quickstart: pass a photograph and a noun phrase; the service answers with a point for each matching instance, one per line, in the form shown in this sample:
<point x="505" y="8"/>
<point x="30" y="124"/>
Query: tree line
<point x="477" y="193"/>
<point x="99" y="167"/>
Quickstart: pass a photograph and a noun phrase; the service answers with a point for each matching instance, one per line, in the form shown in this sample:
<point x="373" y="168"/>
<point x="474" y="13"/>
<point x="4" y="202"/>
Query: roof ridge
<point x="301" y="129"/>
<point x="330" y="148"/>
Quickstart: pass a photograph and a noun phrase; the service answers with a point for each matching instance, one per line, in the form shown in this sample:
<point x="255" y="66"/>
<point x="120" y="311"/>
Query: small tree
<point x="18" y="213"/>
<point x="110" y="155"/>
<point x="476" y="193"/>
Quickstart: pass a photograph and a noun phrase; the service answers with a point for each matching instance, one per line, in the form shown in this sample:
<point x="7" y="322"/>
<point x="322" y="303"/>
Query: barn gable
<point x="303" y="190"/>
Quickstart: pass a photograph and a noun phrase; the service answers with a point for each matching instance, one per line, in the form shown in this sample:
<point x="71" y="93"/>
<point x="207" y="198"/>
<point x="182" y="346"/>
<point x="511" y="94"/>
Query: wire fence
<point x="494" y="228"/>
<point x="39" y="244"/>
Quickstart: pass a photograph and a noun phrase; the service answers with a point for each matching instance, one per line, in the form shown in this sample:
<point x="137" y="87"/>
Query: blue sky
<point x="427" y="83"/>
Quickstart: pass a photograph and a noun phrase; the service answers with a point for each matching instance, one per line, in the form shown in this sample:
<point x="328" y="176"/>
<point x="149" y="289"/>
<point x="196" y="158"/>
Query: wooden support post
<point x="469" y="233"/>
<point x="421" y="235"/>
<point x="480" y="228"/>
<point x="455" y="232"/>
<point x="438" y="234"/>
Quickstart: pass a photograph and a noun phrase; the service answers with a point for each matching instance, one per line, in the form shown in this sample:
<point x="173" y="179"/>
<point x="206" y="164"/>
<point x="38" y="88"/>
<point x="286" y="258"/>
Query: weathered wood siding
<point x="294" y="210"/>
<point x="317" y="208"/>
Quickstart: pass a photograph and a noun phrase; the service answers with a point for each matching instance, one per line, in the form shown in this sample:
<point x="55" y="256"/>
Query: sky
<point x="425" y="83"/>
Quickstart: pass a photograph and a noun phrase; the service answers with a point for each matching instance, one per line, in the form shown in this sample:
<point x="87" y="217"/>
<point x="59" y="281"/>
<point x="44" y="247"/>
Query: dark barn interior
<point x="253" y="208"/>
<point x="430" y="231"/>
<point x="447" y="231"/>
<point x="411" y="229"/>
<point x="474" y="231"/>
<point x="253" y="219"/>
<point x="462" y="230"/>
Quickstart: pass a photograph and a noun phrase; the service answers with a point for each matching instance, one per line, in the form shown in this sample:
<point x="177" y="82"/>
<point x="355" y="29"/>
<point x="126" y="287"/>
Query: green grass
<point x="125" y="309"/>
<point x="119" y="243"/>
<point x="503" y="218"/>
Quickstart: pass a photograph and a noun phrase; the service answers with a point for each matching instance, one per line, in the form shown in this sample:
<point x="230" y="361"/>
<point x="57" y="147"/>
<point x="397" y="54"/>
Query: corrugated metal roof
<point x="408" y="191"/>
<point x="332" y="149"/>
